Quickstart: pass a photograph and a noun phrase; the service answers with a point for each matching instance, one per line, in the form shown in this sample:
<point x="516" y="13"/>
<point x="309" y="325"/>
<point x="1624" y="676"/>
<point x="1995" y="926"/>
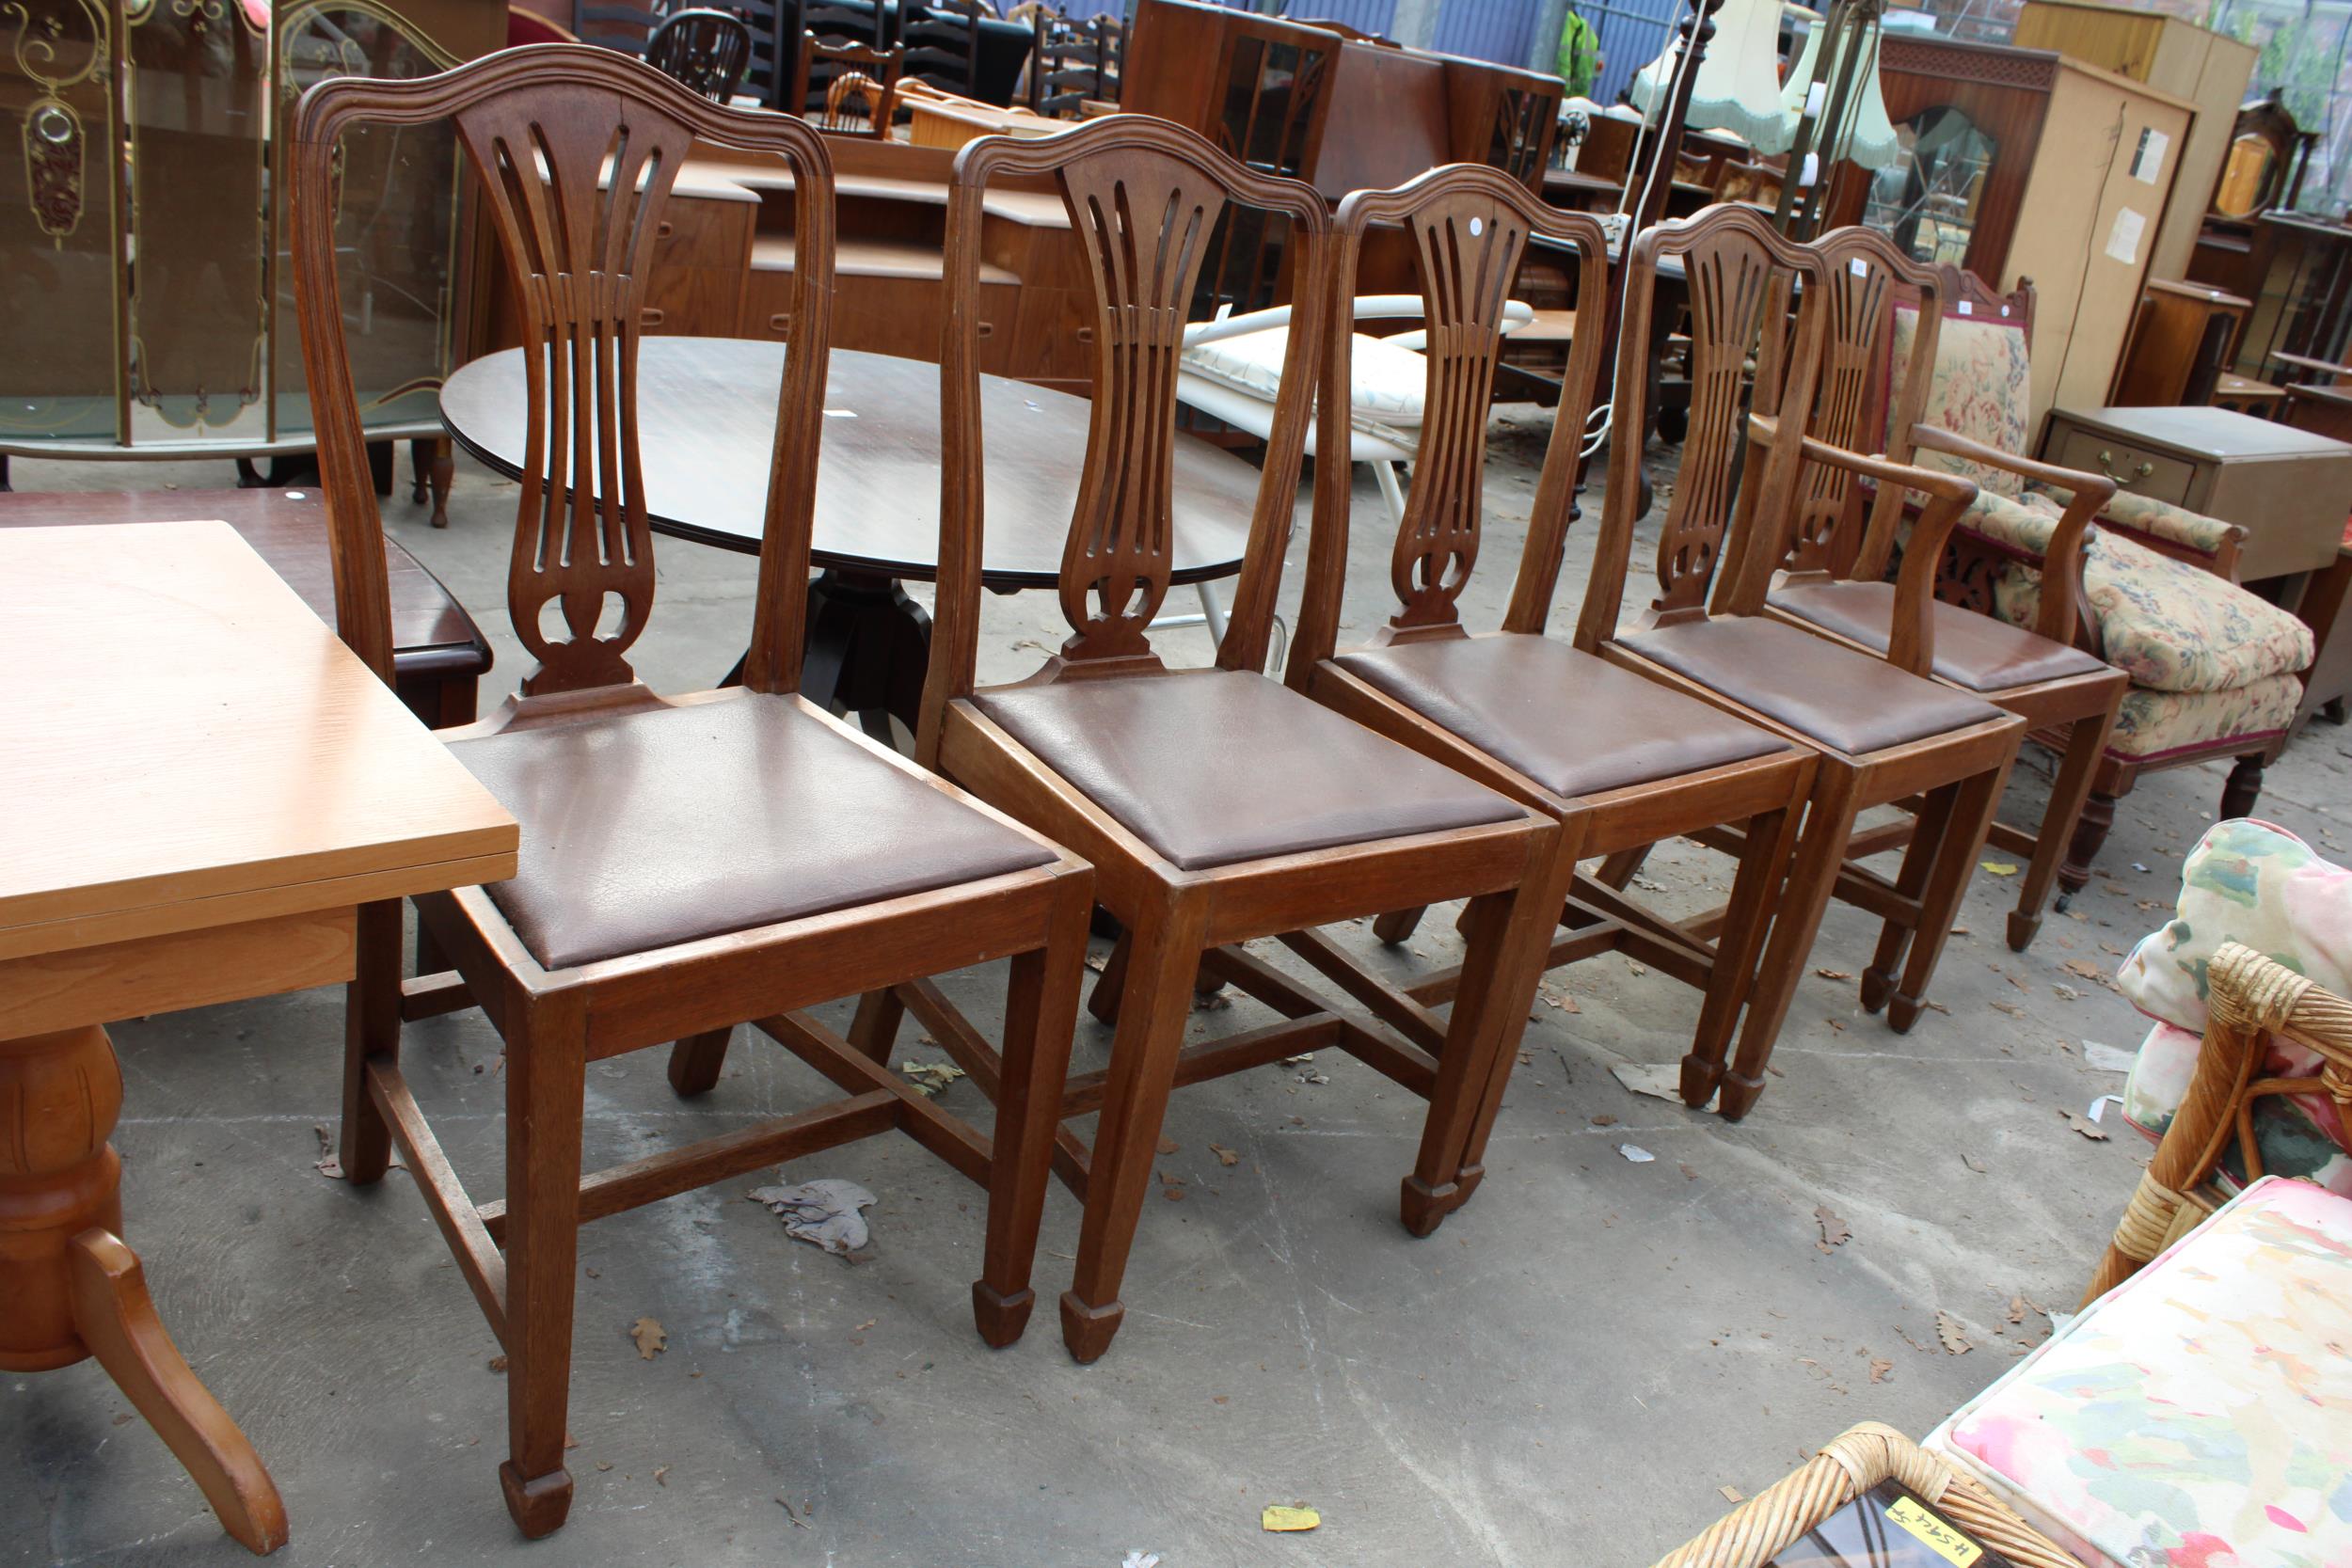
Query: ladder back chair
<point x="688" y="863"/>
<point x="614" y="24"/>
<point x="942" y="45"/>
<point x="1216" y="804"/>
<point x="708" y="51"/>
<point x="1835" y="554"/>
<point x="837" y="25"/>
<point x="1883" y="734"/>
<point x="1616" y="761"/>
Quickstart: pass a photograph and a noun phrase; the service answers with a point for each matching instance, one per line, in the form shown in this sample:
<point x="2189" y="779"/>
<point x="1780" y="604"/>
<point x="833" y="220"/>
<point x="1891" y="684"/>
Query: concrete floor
<point x="1564" y="1374"/>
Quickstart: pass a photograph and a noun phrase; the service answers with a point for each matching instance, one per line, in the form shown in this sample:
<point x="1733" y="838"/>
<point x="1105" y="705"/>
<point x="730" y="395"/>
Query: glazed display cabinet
<point x="149" y="300"/>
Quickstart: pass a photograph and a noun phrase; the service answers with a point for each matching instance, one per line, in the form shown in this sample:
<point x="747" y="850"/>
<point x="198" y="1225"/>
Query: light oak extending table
<point x="201" y="785"/>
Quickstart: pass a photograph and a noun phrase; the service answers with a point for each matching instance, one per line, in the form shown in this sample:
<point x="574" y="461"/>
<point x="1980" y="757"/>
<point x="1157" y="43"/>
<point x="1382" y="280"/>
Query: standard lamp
<point x="1836" y="111"/>
<point x="1737" y="88"/>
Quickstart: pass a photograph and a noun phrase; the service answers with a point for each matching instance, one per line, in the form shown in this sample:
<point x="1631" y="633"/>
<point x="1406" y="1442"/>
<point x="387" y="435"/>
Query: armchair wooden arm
<point x="2251" y="997"/>
<point x="2062" y="563"/>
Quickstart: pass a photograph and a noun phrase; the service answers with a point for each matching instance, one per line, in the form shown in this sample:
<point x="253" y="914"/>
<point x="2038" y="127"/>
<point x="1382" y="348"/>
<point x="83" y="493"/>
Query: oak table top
<point x="204" y="785"/>
<point x="706" y="410"/>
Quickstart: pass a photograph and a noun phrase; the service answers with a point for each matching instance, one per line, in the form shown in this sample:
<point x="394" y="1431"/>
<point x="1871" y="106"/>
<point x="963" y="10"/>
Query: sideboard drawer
<point x="2158" y="475"/>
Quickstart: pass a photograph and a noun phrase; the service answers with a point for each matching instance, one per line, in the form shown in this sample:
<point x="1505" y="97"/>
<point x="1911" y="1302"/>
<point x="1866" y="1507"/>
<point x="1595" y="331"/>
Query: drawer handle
<point x="780" y="322"/>
<point x="2139" y="471"/>
<point x="649" y="316"/>
<point x="986" y="329"/>
<point x="663" y="230"/>
<point x="1085" y="334"/>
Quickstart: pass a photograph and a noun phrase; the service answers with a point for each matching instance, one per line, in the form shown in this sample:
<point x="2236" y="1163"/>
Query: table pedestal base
<point x="868" y="650"/>
<point x="70" y="1289"/>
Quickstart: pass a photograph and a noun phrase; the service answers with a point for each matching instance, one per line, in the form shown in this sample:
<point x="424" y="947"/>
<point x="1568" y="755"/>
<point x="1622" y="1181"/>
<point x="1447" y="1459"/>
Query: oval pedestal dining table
<point x="706" y="423"/>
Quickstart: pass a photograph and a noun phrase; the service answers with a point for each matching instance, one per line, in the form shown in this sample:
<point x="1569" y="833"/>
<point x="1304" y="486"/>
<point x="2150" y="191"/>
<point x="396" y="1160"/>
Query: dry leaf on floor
<point x="1880" y="1369"/>
<point x="652" y="1339"/>
<point x="1604" y="1120"/>
<point x="2009" y="1007"/>
<point x="498" y="1363"/>
<point x="2096" y="973"/>
<point x="2000" y="868"/>
<point x="1833" y="974"/>
<point x="1278" y="1518"/>
<point x="1224" y="1155"/>
<point x="1732" y="1494"/>
<point x="1169" y="1145"/>
<point x="1835" y="1231"/>
<point x="326" y="1165"/>
<point x="1168" y="1181"/>
<point x="1095" y="962"/>
<point x="2017" y="1310"/>
<point x="929" y="1078"/>
<point x="1956" y="1340"/>
<point x="1973" y="1163"/>
<point x="1687" y="1174"/>
<point x="1658" y="1080"/>
<point x="662" y="1475"/>
<point x="2084" y="1125"/>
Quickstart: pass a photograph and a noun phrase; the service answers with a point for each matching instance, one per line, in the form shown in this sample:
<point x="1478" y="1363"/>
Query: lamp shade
<point x="1739" y="85"/>
<point x="1873" y="144"/>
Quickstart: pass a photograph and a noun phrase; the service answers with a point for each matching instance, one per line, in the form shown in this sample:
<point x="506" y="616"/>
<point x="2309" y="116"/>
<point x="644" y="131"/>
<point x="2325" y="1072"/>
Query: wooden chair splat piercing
<point x="690" y="862"/>
<point x="1216" y="804"/>
<point x="1616" y="761"/>
<point x="1883" y="734"/>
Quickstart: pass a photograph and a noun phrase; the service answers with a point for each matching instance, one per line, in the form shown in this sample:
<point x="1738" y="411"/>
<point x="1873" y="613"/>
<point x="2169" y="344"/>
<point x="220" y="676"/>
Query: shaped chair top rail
<point x="1143" y="197"/>
<point x="1470" y="226"/>
<point x="576" y="149"/>
<point x="1732" y="257"/>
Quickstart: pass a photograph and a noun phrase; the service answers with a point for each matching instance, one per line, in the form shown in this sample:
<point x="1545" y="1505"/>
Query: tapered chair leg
<point x="1920" y="858"/>
<point x="545" y="1062"/>
<point x="1153" y="1005"/>
<point x="1763" y="868"/>
<point x="2091" y="835"/>
<point x="1506" y="937"/>
<point x="875" y="1027"/>
<point x="371" y="1033"/>
<point x="1102" y="1002"/>
<point x="1821" y="852"/>
<point x="1041" y="1016"/>
<point x="1397" y="925"/>
<point x="1972" y="818"/>
<point x="2084" y="741"/>
<point x="696" y="1061"/>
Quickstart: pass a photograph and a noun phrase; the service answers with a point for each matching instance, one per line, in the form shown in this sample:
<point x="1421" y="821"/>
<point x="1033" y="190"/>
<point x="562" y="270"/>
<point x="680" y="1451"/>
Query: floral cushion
<point x="1982" y="389"/>
<point x="2025" y="523"/>
<point x="2170" y="625"/>
<point x="2158" y="520"/>
<point x="2199" y="1415"/>
<point x="2152" y="724"/>
<point x="2253" y="883"/>
<point x="2301" y="1136"/>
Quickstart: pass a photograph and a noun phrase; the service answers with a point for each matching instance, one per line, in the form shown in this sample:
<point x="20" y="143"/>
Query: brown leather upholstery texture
<point x="1849" y="701"/>
<point x="1574" y="723"/>
<point x="663" y="825"/>
<point x="1973" y="650"/>
<point x="1217" y="766"/>
<point x="432" y="634"/>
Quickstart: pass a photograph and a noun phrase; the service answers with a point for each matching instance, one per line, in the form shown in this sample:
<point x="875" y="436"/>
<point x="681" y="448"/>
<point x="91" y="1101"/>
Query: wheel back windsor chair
<point x="688" y="863"/>
<point x="1216" y="804"/>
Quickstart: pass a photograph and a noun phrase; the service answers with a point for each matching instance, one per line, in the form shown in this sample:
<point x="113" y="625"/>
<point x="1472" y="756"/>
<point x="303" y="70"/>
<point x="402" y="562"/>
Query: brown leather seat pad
<point x="1974" y="650"/>
<point x="1848" y="701"/>
<point x="1574" y="723"/>
<point x="648" y="829"/>
<point x="1214" y="767"/>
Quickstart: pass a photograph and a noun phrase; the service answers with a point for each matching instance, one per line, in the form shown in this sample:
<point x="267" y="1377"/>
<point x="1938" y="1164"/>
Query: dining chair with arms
<point x="688" y="863"/>
<point x="1216" y="804"/>
<point x="1883" y="734"/>
<point x="707" y="50"/>
<point x="1836" y="551"/>
<point x="1615" y="760"/>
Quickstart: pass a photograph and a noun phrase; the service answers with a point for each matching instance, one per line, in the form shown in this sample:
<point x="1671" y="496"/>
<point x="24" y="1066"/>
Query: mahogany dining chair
<point x="1834" y="552"/>
<point x="1882" y="734"/>
<point x="1216" y="804"/>
<point x="688" y="863"/>
<point x="1613" y="758"/>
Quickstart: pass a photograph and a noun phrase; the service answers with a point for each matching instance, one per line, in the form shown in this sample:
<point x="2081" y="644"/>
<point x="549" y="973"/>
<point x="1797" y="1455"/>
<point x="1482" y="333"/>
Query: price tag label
<point x="1933" y="1533"/>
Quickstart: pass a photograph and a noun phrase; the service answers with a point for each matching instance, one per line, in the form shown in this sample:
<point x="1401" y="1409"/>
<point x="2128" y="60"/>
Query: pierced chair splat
<point x="691" y="862"/>
<point x="1882" y="733"/>
<point x="1216" y="804"/>
<point x="1616" y="761"/>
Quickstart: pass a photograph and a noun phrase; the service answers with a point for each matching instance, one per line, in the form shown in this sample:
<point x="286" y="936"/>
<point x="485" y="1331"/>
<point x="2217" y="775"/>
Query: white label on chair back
<point x="1859" y="267"/>
<point x="1478" y="226"/>
<point x="1968" y="309"/>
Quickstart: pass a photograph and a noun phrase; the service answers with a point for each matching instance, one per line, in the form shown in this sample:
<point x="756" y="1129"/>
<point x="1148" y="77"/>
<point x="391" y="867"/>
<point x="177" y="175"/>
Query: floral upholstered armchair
<point x="2212" y="668"/>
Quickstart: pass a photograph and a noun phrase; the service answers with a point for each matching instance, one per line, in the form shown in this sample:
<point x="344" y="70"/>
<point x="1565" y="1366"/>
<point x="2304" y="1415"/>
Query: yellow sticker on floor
<point x="1939" y="1537"/>
<point x="1277" y="1518"/>
<point x="2000" y="868"/>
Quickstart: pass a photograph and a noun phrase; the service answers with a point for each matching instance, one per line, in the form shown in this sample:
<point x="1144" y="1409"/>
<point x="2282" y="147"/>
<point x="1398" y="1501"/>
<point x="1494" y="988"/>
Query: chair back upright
<point x="1143" y="197"/>
<point x="1737" y="270"/>
<point x="575" y="149"/>
<point x="1468" y="225"/>
<point x="1862" y="403"/>
<point x="708" y="50"/>
<point x="942" y="45"/>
